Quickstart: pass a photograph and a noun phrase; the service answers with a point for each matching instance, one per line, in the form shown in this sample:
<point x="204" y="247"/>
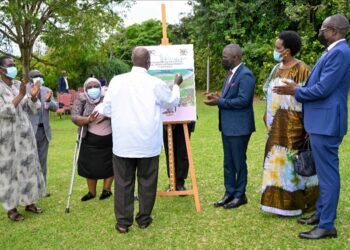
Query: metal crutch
<point x="75" y="162"/>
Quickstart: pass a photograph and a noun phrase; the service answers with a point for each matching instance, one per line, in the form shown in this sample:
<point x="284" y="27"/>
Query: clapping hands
<point x="212" y="98"/>
<point x="48" y="96"/>
<point x="34" y="89"/>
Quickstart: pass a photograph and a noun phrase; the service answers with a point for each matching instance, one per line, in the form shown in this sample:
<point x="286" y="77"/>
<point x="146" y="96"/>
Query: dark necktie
<point x="227" y="81"/>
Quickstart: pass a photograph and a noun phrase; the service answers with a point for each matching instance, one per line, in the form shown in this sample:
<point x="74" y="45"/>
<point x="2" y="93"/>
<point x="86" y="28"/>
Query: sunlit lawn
<point x="90" y="225"/>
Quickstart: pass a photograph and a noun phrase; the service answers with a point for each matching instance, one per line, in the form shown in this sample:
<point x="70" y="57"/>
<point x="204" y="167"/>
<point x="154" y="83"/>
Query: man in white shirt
<point x="134" y="101"/>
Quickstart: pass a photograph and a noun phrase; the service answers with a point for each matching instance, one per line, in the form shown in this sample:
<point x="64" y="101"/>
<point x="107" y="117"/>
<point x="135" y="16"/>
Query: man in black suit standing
<point x="63" y="83"/>
<point x="236" y="123"/>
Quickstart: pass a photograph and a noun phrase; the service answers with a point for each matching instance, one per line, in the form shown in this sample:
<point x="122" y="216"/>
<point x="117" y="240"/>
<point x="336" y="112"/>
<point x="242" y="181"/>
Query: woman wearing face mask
<point x="284" y="192"/>
<point x="95" y="158"/>
<point x="21" y="179"/>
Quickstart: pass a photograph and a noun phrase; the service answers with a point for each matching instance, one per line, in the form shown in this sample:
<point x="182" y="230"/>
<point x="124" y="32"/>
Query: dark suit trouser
<point x="180" y="153"/>
<point x="124" y="186"/>
<point x="43" y="146"/>
<point x="235" y="166"/>
<point x="325" y="153"/>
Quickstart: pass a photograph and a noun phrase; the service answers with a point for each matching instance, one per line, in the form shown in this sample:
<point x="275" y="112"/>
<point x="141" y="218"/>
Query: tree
<point x="124" y="40"/>
<point x="22" y="22"/>
<point x="253" y="24"/>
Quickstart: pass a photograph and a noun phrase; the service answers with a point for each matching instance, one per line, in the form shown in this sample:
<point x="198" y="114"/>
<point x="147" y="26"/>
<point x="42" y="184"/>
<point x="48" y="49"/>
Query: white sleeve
<point x="167" y="98"/>
<point x="106" y="108"/>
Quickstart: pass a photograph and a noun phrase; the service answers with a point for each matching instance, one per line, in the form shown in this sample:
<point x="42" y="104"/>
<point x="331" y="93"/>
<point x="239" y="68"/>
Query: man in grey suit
<point x="41" y="120"/>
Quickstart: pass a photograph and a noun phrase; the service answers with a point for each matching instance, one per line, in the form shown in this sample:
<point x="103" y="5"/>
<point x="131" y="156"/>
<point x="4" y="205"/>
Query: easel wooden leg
<point x="172" y="180"/>
<point x="191" y="167"/>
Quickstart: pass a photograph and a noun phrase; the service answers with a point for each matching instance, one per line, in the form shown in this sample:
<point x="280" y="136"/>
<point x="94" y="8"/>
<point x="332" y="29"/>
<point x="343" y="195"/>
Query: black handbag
<point x="304" y="164"/>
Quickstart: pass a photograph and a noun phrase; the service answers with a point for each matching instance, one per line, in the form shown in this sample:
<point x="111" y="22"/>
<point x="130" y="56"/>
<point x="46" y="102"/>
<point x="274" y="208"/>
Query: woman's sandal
<point x="14" y="215"/>
<point x="34" y="209"/>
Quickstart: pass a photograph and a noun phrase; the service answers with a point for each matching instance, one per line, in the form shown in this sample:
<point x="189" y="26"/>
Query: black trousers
<point x="180" y="151"/>
<point x="124" y="186"/>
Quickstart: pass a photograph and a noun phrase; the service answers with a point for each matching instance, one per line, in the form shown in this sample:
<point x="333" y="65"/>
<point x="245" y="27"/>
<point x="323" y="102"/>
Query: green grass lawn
<point x="176" y="225"/>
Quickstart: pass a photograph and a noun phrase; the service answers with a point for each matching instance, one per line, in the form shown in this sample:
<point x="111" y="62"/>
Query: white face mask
<point x="38" y="78"/>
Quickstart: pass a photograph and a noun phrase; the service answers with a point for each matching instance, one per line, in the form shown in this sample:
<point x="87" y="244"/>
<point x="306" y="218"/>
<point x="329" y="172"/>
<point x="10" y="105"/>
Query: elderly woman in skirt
<point x="95" y="157"/>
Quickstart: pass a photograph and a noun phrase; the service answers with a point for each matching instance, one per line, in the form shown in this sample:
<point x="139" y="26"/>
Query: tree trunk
<point x="26" y="56"/>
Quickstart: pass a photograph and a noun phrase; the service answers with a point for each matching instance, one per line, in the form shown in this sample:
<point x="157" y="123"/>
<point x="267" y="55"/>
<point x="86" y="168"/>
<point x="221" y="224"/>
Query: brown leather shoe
<point x="14" y="215"/>
<point x="34" y="209"/>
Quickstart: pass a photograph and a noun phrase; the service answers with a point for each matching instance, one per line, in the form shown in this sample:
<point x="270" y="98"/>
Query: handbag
<point x="304" y="164"/>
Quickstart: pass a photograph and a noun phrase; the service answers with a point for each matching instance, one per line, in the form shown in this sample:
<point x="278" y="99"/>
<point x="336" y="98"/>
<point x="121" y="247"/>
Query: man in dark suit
<point x="63" y="82"/>
<point x="236" y="123"/>
<point x="41" y="120"/>
<point x="324" y="99"/>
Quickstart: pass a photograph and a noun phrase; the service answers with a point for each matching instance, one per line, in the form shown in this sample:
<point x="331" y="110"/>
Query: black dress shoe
<point x="121" y="229"/>
<point x="87" y="197"/>
<point x="312" y="220"/>
<point x="105" y="194"/>
<point x="143" y="226"/>
<point x="223" y="201"/>
<point x="181" y="188"/>
<point x="318" y="233"/>
<point x="236" y="202"/>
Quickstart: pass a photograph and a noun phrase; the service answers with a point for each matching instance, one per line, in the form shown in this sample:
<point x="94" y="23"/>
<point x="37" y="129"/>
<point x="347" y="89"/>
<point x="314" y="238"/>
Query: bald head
<point x="340" y="23"/>
<point x="140" y="57"/>
<point x="231" y="56"/>
<point x="234" y="50"/>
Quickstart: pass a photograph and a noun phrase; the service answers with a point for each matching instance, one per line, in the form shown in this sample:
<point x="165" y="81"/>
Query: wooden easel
<point x="172" y="176"/>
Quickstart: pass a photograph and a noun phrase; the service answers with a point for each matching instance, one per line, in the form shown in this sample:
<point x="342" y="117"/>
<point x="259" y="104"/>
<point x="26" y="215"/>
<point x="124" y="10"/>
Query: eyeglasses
<point x="325" y="28"/>
<point x="37" y="76"/>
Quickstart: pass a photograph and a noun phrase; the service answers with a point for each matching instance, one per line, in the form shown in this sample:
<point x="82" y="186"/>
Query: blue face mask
<point x="94" y="93"/>
<point x="38" y="78"/>
<point x="11" y="72"/>
<point x="277" y="56"/>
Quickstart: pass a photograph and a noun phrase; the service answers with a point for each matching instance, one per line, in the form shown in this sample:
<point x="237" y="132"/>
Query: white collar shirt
<point x="134" y="101"/>
<point x="331" y="46"/>
<point x="234" y="71"/>
<point x="65" y="79"/>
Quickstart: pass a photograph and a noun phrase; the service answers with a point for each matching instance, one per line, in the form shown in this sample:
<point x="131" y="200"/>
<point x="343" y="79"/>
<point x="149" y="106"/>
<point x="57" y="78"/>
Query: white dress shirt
<point x="331" y="46"/>
<point x="65" y="79"/>
<point x="134" y="101"/>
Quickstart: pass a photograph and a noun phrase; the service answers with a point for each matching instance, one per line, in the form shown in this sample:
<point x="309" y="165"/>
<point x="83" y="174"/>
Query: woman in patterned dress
<point x="284" y="192"/>
<point x="21" y="178"/>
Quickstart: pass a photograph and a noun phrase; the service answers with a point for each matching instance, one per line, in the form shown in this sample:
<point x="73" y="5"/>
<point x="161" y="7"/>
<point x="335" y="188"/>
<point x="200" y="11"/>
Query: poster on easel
<point x="168" y="60"/>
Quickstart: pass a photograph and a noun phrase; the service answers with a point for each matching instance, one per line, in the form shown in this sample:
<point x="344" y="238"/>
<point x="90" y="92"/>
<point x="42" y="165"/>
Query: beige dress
<point x="21" y="178"/>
